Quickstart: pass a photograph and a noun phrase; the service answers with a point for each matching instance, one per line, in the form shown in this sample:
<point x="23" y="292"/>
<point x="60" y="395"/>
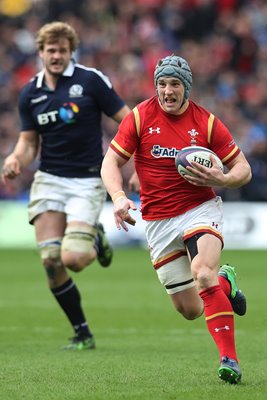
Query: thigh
<point x="176" y="276"/>
<point x="85" y="201"/>
<point x="49" y="224"/>
<point x="81" y="199"/>
<point x="165" y="243"/>
<point x="205" y="264"/>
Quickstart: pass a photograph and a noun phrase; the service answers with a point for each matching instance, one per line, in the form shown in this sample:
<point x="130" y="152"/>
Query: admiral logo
<point x="76" y="91"/>
<point x="166" y="152"/>
<point x="151" y="130"/>
<point x="39" y="99"/>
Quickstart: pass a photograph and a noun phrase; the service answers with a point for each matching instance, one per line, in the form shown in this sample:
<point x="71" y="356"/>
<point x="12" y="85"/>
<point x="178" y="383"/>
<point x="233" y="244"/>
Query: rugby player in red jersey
<point x="184" y="218"/>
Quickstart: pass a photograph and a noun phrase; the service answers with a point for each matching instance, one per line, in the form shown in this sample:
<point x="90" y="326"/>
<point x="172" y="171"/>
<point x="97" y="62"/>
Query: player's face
<point x="171" y="94"/>
<point x="56" y="56"/>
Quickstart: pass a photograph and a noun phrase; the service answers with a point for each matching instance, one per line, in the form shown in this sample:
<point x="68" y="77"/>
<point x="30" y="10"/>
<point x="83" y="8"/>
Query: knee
<point x="75" y="261"/>
<point x="51" y="260"/>
<point x="77" y="250"/>
<point x="204" y="276"/>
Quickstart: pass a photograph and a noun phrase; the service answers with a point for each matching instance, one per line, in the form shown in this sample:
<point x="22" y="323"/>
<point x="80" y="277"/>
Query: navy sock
<point x="69" y="299"/>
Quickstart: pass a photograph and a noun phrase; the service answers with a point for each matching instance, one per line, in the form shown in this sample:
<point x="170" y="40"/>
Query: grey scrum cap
<point x="177" y="67"/>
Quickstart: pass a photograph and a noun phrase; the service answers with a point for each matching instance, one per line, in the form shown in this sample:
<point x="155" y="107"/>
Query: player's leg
<point x="84" y="238"/>
<point x="49" y="229"/>
<point x="217" y="307"/>
<point x="177" y="279"/>
<point x="78" y="245"/>
<point x="82" y="244"/>
<point x="188" y="303"/>
<point x="171" y="263"/>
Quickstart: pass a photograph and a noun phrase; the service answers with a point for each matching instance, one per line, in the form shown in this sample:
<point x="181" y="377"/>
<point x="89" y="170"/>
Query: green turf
<point x="145" y="350"/>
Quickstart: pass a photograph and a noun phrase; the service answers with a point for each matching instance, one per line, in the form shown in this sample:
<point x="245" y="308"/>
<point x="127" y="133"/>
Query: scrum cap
<point x="177" y="67"/>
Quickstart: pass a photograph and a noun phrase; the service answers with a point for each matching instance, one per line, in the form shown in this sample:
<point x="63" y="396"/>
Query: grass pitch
<point x="145" y="350"/>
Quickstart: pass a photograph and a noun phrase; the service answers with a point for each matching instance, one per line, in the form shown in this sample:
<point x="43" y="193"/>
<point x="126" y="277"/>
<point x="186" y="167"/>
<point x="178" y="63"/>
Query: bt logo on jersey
<point x="45" y="118"/>
<point x="66" y="112"/>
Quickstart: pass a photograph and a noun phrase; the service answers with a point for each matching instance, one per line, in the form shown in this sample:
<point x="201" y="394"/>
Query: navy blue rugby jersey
<point x="69" y="119"/>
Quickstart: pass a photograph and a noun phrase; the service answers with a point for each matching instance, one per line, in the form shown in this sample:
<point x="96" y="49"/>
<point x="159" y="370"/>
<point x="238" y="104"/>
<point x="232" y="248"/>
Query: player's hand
<point x="121" y="212"/>
<point x="11" y="168"/>
<point x="204" y="176"/>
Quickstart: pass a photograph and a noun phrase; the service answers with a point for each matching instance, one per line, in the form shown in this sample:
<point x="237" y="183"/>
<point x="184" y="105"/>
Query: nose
<point x="169" y="88"/>
<point x="57" y="54"/>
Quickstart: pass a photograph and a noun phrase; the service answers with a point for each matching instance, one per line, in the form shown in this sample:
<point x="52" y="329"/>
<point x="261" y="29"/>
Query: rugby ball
<point x="198" y="154"/>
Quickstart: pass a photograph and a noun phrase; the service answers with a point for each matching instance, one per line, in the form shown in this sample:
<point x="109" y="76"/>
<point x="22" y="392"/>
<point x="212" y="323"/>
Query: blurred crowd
<point x="224" y="41"/>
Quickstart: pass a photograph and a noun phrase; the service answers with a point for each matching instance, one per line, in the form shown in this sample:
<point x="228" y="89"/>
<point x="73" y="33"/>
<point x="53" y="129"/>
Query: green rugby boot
<point x="236" y="297"/>
<point x="229" y="370"/>
<point x="105" y="251"/>
<point x="81" y="343"/>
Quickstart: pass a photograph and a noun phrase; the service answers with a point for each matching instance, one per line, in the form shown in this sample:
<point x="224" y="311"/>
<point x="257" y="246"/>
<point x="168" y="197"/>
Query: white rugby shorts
<point x="81" y="199"/>
<point x="166" y="237"/>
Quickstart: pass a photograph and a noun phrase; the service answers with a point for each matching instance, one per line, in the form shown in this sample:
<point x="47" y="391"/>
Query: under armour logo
<point x="226" y="327"/>
<point x="151" y="130"/>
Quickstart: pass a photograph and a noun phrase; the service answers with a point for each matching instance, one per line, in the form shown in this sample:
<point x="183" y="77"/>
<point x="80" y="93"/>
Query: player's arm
<point x="113" y="180"/>
<point x="24" y="154"/>
<point x="133" y="184"/>
<point x="239" y="172"/>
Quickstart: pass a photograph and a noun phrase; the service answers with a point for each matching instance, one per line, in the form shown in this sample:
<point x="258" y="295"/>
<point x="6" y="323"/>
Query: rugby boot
<point x="236" y="297"/>
<point x="229" y="370"/>
<point x="105" y="251"/>
<point x="81" y="343"/>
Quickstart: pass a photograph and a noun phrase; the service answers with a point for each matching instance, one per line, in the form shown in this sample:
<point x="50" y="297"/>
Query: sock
<point x="69" y="299"/>
<point x="220" y="320"/>
<point x="225" y="285"/>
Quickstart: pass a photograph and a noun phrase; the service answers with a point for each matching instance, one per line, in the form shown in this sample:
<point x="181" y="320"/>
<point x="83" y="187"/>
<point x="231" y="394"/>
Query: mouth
<point x="169" y="100"/>
<point x="56" y="64"/>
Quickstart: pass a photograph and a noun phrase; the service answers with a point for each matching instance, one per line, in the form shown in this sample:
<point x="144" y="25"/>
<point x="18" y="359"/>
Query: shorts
<point x="166" y="242"/>
<point x="81" y="199"/>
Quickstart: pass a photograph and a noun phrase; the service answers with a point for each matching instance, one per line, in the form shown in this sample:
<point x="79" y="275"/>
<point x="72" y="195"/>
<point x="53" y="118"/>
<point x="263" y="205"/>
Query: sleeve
<point x="106" y="97"/>
<point x="126" y="139"/>
<point x="27" y="122"/>
<point x="223" y="143"/>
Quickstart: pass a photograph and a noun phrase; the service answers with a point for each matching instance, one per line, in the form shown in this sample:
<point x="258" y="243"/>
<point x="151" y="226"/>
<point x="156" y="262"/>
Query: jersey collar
<point x="68" y="72"/>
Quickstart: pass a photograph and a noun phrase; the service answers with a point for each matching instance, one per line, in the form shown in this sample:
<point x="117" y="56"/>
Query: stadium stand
<point x="225" y="42"/>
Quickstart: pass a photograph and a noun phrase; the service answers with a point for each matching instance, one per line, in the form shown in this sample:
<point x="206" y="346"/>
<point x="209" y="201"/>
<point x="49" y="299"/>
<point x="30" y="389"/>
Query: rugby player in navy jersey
<point x="60" y="111"/>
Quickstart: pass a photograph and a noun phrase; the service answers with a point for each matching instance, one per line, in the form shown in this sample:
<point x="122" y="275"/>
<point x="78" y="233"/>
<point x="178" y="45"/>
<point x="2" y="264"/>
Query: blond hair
<point x="53" y="32"/>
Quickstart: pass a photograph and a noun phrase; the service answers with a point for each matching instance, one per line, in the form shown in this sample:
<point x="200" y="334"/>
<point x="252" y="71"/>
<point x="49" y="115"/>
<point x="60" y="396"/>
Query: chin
<point x="171" y="110"/>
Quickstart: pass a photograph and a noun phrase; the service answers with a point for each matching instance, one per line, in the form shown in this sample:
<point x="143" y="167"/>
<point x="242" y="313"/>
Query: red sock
<point x="225" y="285"/>
<point x="220" y="320"/>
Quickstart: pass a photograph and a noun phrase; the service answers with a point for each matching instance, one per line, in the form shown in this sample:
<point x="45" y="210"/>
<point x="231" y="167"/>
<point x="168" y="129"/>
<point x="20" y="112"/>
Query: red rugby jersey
<point x="154" y="137"/>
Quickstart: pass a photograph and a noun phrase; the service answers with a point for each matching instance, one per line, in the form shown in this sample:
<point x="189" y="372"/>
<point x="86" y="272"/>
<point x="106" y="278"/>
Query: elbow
<point x="249" y="177"/>
<point x="246" y="179"/>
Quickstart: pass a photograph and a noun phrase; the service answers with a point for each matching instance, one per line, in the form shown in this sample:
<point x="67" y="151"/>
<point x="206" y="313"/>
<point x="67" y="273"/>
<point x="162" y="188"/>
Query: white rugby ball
<point x="200" y="155"/>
